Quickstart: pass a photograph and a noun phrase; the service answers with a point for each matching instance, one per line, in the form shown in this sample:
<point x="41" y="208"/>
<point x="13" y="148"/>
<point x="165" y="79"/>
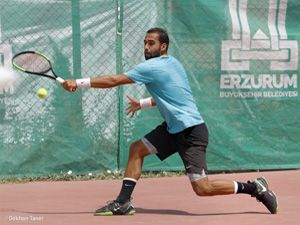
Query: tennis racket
<point x="35" y="63"/>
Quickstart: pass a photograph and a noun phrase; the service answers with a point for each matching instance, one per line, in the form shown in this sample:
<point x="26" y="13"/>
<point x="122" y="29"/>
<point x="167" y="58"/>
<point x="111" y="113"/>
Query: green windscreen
<point x="242" y="61"/>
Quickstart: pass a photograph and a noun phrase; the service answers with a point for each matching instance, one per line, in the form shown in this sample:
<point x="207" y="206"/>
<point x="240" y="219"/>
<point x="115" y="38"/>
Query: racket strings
<point x="32" y="62"/>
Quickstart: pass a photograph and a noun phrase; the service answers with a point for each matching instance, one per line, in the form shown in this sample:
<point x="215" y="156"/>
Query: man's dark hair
<point x="162" y="35"/>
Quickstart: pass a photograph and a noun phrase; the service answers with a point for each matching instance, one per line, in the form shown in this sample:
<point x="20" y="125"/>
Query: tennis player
<point x="183" y="130"/>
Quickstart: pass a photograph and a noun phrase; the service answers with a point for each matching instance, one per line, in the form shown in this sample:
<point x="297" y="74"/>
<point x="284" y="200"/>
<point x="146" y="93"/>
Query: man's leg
<point x="133" y="170"/>
<point x="206" y="187"/>
<point x="257" y="188"/>
<point x="122" y="205"/>
<point x="192" y="145"/>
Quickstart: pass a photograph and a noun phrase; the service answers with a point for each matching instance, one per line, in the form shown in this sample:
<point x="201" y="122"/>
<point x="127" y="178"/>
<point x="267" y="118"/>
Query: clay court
<point x="159" y="201"/>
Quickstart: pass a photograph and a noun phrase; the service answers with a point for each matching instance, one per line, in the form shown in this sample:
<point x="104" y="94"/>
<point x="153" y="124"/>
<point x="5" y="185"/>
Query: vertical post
<point x="165" y="16"/>
<point x="76" y="37"/>
<point x="75" y="112"/>
<point x="119" y="69"/>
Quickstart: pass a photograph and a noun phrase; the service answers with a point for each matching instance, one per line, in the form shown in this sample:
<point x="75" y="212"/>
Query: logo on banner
<point x="268" y="42"/>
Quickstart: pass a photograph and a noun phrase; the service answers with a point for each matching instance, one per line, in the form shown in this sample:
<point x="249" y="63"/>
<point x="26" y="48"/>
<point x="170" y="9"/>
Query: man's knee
<point x="138" y="149"/>
<point x="202" y="187"/>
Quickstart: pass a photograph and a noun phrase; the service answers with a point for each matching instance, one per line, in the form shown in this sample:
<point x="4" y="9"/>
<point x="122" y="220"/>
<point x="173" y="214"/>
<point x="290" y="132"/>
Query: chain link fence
<point x="88" y="131"/>
<point x="65" y="132"/>
<point x="82" y="131"/>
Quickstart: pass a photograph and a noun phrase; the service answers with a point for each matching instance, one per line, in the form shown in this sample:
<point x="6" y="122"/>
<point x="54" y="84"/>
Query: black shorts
<point x="190" y="143"/>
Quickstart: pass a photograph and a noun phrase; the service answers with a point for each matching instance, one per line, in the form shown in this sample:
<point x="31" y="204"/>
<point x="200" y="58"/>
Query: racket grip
<point x="60" y="80"/>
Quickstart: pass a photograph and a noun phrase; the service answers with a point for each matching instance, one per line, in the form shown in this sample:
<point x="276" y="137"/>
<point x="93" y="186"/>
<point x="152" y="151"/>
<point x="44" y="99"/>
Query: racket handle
<point x="60" y="80"/>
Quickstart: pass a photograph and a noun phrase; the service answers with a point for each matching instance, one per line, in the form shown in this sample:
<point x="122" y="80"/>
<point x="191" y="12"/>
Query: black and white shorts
<point x="190" y="143"/>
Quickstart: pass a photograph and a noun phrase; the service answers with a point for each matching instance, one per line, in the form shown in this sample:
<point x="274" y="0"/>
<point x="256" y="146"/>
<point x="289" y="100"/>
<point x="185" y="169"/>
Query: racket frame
<point x="43" y="73"/>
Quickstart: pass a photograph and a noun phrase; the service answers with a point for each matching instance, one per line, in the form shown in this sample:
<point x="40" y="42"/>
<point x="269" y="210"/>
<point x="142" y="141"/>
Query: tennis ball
<point x="42" y="93"/>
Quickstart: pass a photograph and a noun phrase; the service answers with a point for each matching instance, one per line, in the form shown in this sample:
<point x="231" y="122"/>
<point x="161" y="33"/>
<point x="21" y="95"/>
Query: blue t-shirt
<point x="167" y="82"/>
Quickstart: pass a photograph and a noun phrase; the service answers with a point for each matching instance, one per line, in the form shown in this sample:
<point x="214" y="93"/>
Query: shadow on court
<point x="185" y="213"/>
<point x="139" y="211"/>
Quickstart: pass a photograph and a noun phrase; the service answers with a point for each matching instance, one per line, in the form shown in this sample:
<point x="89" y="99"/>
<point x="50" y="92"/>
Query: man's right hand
<point x="70" y="85"/>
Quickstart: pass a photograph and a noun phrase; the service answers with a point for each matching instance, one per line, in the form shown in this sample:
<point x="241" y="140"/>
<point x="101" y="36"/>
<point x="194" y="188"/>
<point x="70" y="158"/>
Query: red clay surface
<point x="158" y="201"/>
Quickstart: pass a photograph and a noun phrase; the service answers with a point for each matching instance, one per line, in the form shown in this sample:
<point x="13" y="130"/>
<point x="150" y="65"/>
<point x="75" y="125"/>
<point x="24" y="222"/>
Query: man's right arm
<point x="105" y="81"/>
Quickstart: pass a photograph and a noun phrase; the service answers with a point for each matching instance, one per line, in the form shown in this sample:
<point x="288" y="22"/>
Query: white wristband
<point x="83" y="83"/>
<point x="146" y="103"/>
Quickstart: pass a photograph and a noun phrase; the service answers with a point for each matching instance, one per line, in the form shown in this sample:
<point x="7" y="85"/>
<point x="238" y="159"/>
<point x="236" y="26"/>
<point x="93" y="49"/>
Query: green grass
<point x="78" y="177"/>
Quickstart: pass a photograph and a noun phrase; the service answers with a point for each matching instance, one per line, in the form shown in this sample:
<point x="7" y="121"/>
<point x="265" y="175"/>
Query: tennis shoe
<point x="115" y="208"/>
<point x="265" y="195"/>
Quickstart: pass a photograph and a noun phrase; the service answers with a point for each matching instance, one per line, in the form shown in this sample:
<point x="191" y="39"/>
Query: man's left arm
<point x="135" y="105"/>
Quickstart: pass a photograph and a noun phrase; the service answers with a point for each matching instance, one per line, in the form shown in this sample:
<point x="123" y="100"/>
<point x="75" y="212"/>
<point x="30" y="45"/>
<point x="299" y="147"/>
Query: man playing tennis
<point x="182" y="131"/>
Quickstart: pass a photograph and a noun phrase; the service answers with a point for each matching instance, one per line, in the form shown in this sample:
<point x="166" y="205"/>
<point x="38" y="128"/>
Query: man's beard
<point x="150" y="56"/>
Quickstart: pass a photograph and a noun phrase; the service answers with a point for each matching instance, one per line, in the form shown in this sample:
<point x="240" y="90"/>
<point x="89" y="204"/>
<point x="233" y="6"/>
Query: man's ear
<point x="163" y="47"/>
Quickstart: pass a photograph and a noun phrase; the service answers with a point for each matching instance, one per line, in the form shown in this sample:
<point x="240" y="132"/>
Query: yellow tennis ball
<point x="42" y="93"/>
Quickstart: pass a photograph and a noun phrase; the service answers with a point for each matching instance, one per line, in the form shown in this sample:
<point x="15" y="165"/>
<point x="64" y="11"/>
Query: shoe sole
<point x="277" y="205"/>
<point x="130" y="213"/>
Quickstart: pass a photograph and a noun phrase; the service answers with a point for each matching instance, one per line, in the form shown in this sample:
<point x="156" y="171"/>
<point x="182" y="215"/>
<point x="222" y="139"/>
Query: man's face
<point x="152" y="46"/>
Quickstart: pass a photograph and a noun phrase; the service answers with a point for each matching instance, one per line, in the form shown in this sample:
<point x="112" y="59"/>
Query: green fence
<point x="241" y="58"/>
